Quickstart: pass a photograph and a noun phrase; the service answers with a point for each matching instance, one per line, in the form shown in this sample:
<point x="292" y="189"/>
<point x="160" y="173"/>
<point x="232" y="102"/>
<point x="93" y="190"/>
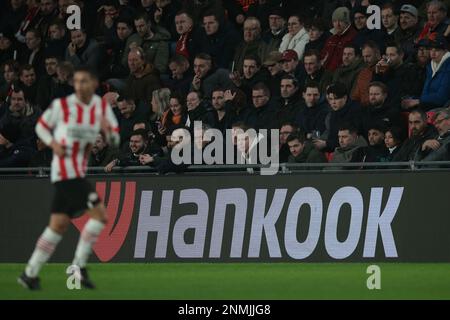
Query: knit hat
<point x="409" y="9"/>
<point x="341" y="14"/>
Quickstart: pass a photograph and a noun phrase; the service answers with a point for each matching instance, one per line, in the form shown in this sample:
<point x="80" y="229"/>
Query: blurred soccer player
<point x="70" y="127"/>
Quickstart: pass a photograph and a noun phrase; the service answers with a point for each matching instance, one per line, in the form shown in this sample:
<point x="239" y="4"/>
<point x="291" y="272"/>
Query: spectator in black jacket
<point x="48" y="11"/>
<point x="106" y="21"/>
<point x="376" y="151"/>
<point x="318" y="34"/>
<point x="12" y="14"/>
<point x="58" y="39"/>
<point x="392" y="71"/>
<point x="35" y="53"/>
<point x="218" y="39"/>
<point x="365" y="34"/>
<point x="9" y="49"/>
<point x="28" y="82"/>
<point x="252" y="74"/>
<point x="128" y="112"/>
<point x="180" y="77"/>
<point x="225" y="116"/>
<point x="312" y="115"/>
<point x="10" y="73"/>
<point x="287" y="129"/>
<point x="82" y="50"/>
<point x="418" y="64"/>
<point x="46" y="89"/>
<point x="207" y="76"/>
<point x="276" y="31"/>
<point x="393" y="139"/>
<point x="379" y="108"/>
<point x="289" y="106"/>
<point x="344" y="111"/>
<point x="262" y="116"/>
<point x="22" y="114"/>
<point x="421" y="131"/>
<point x="200" y="110"/>
<point x="141" y="152"/>
<point x="13" y="152"/>
<point x="120" y="46"/>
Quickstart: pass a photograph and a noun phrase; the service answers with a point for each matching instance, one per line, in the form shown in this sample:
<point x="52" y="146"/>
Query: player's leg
<point x="89" y="236"/>
<point x="44" y="249"/>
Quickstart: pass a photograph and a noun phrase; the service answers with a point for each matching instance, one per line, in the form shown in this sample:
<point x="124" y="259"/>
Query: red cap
<point x="289" y="55"/>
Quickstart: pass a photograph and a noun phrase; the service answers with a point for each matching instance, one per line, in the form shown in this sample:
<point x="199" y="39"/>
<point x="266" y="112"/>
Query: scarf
<point x="436" y="66"/>
<point x="181" y="47"/>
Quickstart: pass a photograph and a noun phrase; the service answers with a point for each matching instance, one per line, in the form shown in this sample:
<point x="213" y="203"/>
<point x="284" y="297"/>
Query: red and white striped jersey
<point x="75" y="126"/>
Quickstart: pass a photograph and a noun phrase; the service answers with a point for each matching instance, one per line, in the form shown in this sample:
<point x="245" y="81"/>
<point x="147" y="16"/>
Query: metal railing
<point x="284" y="168"/>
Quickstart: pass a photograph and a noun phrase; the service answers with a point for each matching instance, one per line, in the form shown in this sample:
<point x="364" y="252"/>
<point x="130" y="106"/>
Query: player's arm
<point x="44" y="129"/>
<point x="110" y="127"/>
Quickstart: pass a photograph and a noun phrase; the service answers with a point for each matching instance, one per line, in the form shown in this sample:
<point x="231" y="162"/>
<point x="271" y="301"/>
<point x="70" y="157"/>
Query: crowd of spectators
<point x="337" y="90"/>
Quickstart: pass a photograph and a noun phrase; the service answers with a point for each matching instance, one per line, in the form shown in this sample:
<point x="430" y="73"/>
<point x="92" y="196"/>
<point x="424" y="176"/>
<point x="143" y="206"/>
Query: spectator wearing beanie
<point x="409" y="29"/>
<point x="343" y="34"/>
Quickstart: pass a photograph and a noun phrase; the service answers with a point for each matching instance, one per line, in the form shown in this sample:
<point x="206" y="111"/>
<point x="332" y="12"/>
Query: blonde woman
<point x="160" y="103"/>
<point x="296" y="38"/>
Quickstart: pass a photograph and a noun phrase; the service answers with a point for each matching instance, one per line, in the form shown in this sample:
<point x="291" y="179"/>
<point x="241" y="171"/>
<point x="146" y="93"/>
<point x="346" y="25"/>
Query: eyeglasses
<point x="258" y="97"/>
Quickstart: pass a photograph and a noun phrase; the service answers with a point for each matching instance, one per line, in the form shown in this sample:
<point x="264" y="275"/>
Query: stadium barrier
<point x="398" y="215"/>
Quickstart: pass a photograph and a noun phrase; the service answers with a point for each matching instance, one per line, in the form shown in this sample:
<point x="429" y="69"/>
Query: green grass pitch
<point x="237" y="281"/>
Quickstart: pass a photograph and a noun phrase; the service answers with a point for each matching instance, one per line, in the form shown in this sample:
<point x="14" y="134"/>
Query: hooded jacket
<point x="347" y="74"/>
<point x="156" y="49"/>
<point x="353" y="153"/>
<point x="142" y="88"/>
<point x="309" y="155"/>
<point x="436" y="91"/>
